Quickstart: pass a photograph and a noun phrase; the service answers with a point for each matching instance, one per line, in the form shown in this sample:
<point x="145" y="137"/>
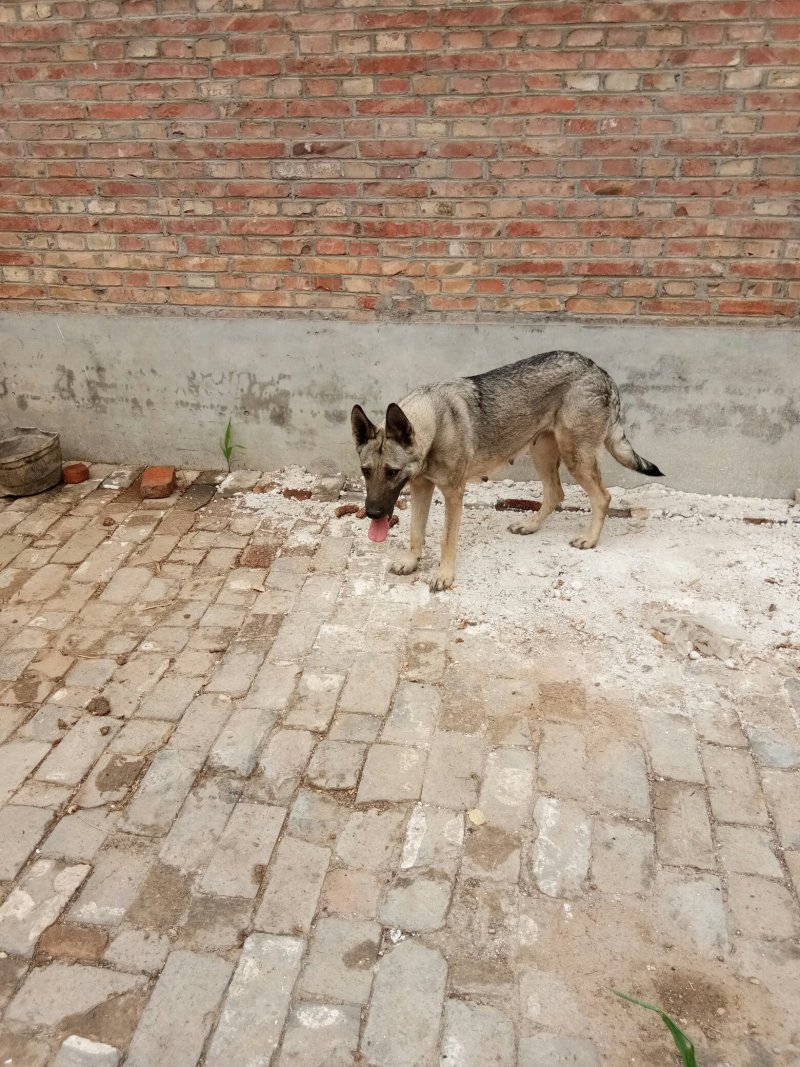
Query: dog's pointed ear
<point x="363" y="429"/>
<point x="398" y="428"/>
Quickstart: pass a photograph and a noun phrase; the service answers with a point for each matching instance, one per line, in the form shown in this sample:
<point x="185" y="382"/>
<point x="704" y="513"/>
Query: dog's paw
<point x="582" y="542"/>
<point x="443" y="578"/>
<point x="520" y="527"/>
<point x="406" y="564"/>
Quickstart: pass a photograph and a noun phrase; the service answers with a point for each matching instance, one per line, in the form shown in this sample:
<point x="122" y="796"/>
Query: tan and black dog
<point x="557" y="406"/>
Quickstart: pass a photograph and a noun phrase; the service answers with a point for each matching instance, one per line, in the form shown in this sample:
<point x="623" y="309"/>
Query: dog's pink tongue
<point x="378" y="530"/>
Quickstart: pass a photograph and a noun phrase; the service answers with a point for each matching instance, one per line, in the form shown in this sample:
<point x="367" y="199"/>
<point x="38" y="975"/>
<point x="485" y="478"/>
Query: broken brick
<point x="157" y="482"/>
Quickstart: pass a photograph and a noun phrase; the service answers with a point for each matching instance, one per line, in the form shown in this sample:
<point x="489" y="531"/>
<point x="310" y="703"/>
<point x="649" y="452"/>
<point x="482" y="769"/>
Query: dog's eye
<point x="365" y="471"/>
<point x="390" y="472"/>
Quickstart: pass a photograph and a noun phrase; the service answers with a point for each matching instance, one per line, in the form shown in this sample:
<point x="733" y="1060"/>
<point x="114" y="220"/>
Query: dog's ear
<point x="363" y="429"/>
<point x="398" y="428"/>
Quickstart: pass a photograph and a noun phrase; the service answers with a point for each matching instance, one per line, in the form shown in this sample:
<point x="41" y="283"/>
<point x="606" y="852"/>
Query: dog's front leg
<point x="445" y="573"/>
<point x="421" y="494"/>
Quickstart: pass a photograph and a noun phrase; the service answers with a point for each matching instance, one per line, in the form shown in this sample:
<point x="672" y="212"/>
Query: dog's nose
<point x="373" y="513"/>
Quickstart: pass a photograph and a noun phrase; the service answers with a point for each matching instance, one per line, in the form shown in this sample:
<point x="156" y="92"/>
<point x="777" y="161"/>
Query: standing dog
<point x="557" y="406"/>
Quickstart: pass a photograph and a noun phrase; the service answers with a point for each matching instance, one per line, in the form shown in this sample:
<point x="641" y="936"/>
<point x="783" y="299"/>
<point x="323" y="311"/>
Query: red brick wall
<point x="585" y="157"/>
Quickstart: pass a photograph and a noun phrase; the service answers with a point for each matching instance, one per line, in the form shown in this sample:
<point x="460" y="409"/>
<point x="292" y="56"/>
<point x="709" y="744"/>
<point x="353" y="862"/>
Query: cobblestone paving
<point x="262" y="805"/>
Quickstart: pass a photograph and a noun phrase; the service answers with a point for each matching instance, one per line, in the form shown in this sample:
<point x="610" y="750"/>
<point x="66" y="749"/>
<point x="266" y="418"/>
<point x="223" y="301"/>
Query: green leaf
<point x="682" y="1042"/>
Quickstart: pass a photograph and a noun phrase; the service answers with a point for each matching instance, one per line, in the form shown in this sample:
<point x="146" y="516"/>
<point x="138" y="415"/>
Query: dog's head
<point x="387" y="456"/>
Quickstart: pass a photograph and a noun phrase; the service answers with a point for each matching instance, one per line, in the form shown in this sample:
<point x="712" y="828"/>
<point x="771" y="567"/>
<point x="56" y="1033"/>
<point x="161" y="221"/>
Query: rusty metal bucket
<point x="30" y="461"/>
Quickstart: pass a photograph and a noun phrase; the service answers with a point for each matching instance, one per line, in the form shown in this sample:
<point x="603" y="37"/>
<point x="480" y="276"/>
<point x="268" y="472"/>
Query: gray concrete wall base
<point x="717" y="408"/>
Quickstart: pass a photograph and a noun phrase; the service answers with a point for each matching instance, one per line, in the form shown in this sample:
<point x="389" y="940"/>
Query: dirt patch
<point x="694" y="1001"/>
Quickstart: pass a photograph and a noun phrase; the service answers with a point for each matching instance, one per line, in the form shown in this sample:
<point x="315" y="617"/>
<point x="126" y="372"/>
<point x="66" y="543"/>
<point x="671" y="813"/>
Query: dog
<point x="557" y="406"/>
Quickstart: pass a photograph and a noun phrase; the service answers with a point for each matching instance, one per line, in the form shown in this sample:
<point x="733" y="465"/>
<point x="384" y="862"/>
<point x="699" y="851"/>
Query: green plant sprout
<point x="682" y="1042"/>
<point x="227" y="446"/>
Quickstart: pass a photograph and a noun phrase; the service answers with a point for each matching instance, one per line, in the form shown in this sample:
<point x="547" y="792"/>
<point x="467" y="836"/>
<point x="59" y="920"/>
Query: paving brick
<point x="683" y="832"/>
<point x="113" y="886"/>
<point x="415" y="710"/>
<point x="453" y="774"/>
<point x="294" y="883"/>
<point x="434" y="838"/>
<point x="335" y="765"/>
<point x="477" y="1036"/>
<point x="193" y="836"/>
<point x="103" y="563"/>
<point x="620" y="778"/>
<point x="21" y="830"/>
<point x="235" y="673"/>
<point x="215" y="924"/>
<point x="314" y="701"/>
<point x="281" y="765"/>
<point x="140" y="737"/>
<point x="402" y="1027"/>
<point x="81" y="1052"/>
<point x="336" y="648"/>
<point x="351" y="894"/>
<point x="321" y="1035"/>
<point x="393" y="773"/>
<point x="17" y="760"/>
<point x="690" y="912"/>
<point x="138" y="951"/>
<point x="672" y="746"/>
<point x="746" y="850"/>
<point x="63" y="941"/>
<point x="36" y="902"/>
<point x="273" y="686"/>
<point x="79" y="750"/>
<point x="44" y="584"/>
<point x="733" y="786"/>
<point x="181" y="1011"/>
<point x="506" y="797"/>
<point x="200" y="726"/>
<point x="561" y="851"/>
<point x="58" y="992"/>
<point x="551" y="1049"/>
<point x="236" y="868"/>
<point x="347" y="727"/>
<point x="317" y="817"/>
<point x="622" y="858"/>
<point x="257" y="1002"/>
<point x="295" y="638"/>
<point x="160" y="794"/>
<point x="761" y="909"/>
<point x="80" y="545"/>
<point x="371" y="839"/>
<point x="426" y="656"/>
<point x="782" y="789"/>
<point x="773" y="749"/>
<point x="340" y="960"/>
<point x="418" y="900"/>
<point x="169" y="699"/>
<point x="240" y="741"/>
<point x="126" y="585"/>
<point x="370" y="684"/>
<point x="492" y="853"/>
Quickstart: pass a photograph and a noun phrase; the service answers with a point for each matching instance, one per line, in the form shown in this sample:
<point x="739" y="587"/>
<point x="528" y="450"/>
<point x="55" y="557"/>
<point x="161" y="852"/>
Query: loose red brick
<point x="74" y="473"/>
<point x="157" y="482"/>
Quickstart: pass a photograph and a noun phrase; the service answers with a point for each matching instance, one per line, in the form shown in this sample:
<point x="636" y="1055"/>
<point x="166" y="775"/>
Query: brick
<point x="244" y="850"/>
<point x="335" y="765"/>
<point x="157" y="482"/>
<point x="63" y="941"/>
<point x="551" y="1048"/>
<point x="54" y="995"/>
<point x="683" y="833"/>
<point x="160" y="794"/>
<point x="371" y="839"/>
<point x="402" y="1028"/>
<point x="745" y="850"/>
<point x="393" y="773"/>
<point x="415" y="710"/>
<point x="79" y="750"/>
<point x="290" y="899"/>
<point x="690" y="912"/>
<point x="281" y="765"/>
<point x="622" y="858"/>
<point x="506" y="797"/>
<point x="733" y="787"/>
<point x="350" y="894"/>
<point x="672" y="747"/>
<point x="477" y="1036"/>
<point x="81" y="1052"/>
<point x="562" y="769"/>
<point x="453" y="774"/>
<point x="761" y="909"/>
<point x="782" y="789"/>
<point x="21" y="830"/>
<point x="340" y="960"/>
<point x="113" y="886"/>
<point x="314" y="702"/>
<point x="370" y="685"/>
<point x="620" y="778"/>
<point x="17" y="760"/>
<point x="257" y="1001"/>
<point x="321" y="1035"/>
<point x="561" y="851"/>
<point x="181" y="1010"/>
<point x="37" y="902"/>
<point x="74" y="473"/>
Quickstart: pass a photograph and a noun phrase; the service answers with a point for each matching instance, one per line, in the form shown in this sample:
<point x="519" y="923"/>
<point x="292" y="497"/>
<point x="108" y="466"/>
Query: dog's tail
<point x="622" y="450"/>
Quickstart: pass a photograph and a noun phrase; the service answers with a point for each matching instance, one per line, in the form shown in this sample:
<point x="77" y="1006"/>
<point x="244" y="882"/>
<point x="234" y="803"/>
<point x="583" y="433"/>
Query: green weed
<point x="227" y="446"/>
<point x="682" y="1042"/>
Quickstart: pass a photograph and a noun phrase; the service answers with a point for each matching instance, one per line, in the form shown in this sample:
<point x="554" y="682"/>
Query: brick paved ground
<point x="265" y="804"/>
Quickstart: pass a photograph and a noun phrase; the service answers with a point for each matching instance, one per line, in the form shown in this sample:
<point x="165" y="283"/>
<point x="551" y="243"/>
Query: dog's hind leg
<point x="581" y="462"/>
<point x="445" y="573"/>
<point x="421" y="493"/>
<point x="546" y="459"/>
